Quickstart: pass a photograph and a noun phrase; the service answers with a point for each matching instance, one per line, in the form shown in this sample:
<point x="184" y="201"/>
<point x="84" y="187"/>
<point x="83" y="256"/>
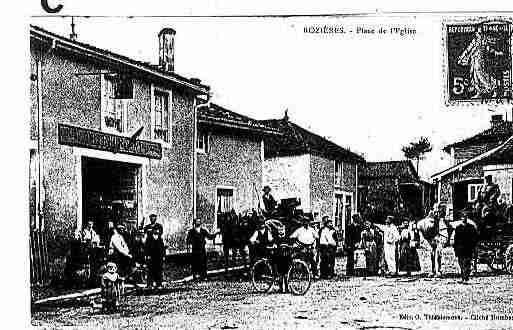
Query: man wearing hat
<point x="261" y="240"/>
<point x="307" y="237"/>
<point x="465" y="241"/>
<point x="148" y="229"/>
<point x="196" y="238"/>
<point x="156" y="252"/>
<point x="327" y="248"/>
<point x="352" y="239"/>
<point x="268" y="201"/>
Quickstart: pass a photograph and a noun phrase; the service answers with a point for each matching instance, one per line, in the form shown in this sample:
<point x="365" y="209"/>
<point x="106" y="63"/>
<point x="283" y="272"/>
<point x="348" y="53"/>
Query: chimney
<point x="167" y="49"/>
<point x="496" y="120"/>
<point x="195" y="81"/>
<point x="73" y="35"/>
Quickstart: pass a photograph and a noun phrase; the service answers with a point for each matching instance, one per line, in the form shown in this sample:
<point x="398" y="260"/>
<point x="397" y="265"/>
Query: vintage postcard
<point x="268" y="169"/>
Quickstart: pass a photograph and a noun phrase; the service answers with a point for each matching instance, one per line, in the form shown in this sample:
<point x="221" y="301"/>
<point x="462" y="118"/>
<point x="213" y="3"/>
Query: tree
<point x="417" y="149"/>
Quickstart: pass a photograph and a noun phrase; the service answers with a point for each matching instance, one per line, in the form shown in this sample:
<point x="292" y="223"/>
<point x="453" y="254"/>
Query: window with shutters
<point x="224" y="204"/>
<point x="338" y="173"/>
<point x="114" y="105"/>
<point x="202" y="141"/>
<point x="161" y="116"/>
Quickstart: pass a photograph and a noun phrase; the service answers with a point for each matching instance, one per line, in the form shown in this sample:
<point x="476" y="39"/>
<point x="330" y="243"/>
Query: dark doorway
<point x="224" y="205"/>
<point x="110" y="193"/>
<point x="464" y="195"/>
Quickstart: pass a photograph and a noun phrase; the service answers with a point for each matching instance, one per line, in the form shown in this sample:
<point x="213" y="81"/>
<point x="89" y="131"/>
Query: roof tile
<point x="297" y="140"/>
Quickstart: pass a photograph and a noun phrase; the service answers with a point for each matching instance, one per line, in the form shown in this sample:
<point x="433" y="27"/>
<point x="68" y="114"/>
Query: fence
<point x="39" y="269"/>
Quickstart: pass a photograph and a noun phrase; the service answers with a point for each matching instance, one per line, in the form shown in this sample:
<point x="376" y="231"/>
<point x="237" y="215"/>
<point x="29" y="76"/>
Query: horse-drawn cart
<point x="496" y="250"/>
<point x="495" y="246"/>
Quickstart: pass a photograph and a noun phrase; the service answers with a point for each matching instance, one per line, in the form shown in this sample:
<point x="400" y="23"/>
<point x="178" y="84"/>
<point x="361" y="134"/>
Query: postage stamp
<point x="478" y="61"/>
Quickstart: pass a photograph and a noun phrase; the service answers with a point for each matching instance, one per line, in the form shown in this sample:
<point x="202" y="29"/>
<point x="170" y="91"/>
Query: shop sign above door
<point x="87" y="138"/>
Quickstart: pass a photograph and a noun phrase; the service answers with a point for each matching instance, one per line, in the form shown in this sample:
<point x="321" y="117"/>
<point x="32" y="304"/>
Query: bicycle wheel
<point x="262" y="276"/>
<point x="299" y="277"/>
<point x="508" y="257"/>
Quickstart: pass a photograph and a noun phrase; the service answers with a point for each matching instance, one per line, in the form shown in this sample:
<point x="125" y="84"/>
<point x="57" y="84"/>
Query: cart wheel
<point x="508" y="259"/>
<point x="299" y="277"/>
<point x="496" y="261"/>
<point x="473" y="266"/>
<point x="262" y="276"/>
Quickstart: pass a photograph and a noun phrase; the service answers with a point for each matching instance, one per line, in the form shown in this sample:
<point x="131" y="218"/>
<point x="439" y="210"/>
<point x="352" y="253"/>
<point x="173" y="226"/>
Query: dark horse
<point x="237" y="229"/>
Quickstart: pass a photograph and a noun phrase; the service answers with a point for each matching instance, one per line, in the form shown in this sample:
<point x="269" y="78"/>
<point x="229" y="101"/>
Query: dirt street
<point x="419" y="302"/>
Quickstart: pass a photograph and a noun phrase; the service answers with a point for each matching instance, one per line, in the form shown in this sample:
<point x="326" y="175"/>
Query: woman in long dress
<point x="483" y="82"/>
<point x="408" y="243"/>
<point x="368" y="242"/>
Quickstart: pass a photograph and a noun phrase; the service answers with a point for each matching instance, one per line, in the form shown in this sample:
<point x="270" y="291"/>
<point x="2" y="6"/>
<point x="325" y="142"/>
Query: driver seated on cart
<point x="305" y="239"/>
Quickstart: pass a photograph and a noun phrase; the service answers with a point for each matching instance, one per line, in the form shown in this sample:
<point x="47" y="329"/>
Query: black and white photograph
<point x="266" y="169"/>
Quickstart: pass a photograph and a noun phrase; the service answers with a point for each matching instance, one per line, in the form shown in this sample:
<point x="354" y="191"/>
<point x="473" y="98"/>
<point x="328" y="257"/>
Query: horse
<point x="236" y="231"/>
<point x="437" y="233"/>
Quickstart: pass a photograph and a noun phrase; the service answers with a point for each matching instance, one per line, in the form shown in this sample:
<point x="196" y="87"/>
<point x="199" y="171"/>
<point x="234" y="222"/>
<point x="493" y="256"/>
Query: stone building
<point x="393" y="188"/>
<point x="112" y="140"/>
<point x="300" y="164"/>
<point x="230" y="154"/>
<point x="486" y="153"/>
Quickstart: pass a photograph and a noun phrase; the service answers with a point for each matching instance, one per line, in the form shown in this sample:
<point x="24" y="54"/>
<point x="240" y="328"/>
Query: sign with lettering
<point x="478" y="61"/>
<point x="87" y="138"/>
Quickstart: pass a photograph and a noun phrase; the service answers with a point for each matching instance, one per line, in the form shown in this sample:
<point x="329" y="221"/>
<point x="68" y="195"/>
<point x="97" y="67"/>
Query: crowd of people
<point x="370" y="248"/>
<point x="137" y="254"/>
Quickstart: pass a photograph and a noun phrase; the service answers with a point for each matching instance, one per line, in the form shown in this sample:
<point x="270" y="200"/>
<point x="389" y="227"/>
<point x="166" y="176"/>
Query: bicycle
<point x="296" y="272"/>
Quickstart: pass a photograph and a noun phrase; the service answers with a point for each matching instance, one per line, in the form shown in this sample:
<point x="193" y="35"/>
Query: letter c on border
<point x="48" y="9"/>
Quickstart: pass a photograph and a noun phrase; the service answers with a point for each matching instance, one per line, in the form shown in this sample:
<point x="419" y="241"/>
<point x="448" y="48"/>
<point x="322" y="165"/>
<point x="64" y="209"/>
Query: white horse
<point x="437" y="233"/>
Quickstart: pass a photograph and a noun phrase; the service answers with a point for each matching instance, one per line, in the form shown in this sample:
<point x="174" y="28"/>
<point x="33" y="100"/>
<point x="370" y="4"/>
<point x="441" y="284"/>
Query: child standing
<point x="111" y="288"/>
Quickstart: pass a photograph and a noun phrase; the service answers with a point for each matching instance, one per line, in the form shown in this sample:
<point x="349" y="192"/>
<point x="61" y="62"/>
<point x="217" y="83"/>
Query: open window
<point x="202" y="142"/>
<point x="116" y="90"/>
<point x="338" y="173"/>
<point x="224" y="204"/>
<point x="161" y="129"/>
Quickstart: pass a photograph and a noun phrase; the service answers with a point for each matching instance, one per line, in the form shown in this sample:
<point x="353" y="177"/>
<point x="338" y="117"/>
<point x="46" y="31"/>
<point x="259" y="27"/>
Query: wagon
<point x="495" y="246"/>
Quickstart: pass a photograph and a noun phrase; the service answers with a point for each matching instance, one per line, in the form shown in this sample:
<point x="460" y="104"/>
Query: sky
<point x="371" y="93"/>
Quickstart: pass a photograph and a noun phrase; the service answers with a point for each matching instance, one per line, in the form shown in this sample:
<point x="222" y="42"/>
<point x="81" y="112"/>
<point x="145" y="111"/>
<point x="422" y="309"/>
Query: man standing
<point x="92" y="241"/>
<point x="391" y="237"/>
<point x="268" y="201"/>
<point x="156" y="253"/>
<point x="89" y="235"/>
<point x="465" y="240"/>
<point x="148" y="229"/>
<point x="118" y="250"/>
<point x="352" y="238"/>
<point x="196" y="238"/>
<point x="328" y="248"/>
<point x="306" y="236"/>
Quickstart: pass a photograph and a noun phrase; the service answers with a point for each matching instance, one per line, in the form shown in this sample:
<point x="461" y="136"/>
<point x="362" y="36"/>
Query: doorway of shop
<point x="110" y="193"/>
